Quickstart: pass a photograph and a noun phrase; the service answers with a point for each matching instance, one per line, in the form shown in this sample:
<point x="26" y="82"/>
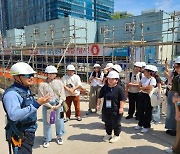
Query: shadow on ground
<point x="90" y="126"/>
<point x="153" y="136"/>
<point x="86" y="138"/>
<point x="137" y="150"/>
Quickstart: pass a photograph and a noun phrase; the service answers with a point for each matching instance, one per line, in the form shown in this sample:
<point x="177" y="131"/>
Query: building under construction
<point x="151" y="37"/>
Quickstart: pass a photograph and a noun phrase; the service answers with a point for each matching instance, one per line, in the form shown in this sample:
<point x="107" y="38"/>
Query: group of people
<point x="20" y="105"/>
<point x="107" y="94"/>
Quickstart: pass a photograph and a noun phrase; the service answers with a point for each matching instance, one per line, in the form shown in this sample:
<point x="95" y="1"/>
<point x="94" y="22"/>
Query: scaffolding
<point x="69" y="40"/>
<point x="39" y="62"/>
<point x="129" y="40"/>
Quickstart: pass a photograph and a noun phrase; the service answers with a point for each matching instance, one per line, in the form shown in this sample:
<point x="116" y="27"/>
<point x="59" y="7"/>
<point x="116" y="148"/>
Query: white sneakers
<point x="59" y="142"/>
<point x="107" y="138"/>
<point x="143" y="130"/>
<point x="169" y="150"/>
<point x="46" y="144"/>
<point x="137" y="127"/>
<point x="114" y="139"/>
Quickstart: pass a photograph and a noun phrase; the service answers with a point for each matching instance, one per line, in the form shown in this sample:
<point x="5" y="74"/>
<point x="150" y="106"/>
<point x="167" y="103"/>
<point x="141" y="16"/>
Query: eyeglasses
<point x="28" y="76"/>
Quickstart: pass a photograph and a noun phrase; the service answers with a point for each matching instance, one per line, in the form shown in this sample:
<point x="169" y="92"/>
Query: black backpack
<point x="130" y="76"/>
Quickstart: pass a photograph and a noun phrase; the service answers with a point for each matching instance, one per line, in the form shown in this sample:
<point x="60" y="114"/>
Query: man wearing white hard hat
<point x="113" y="106"/>
<point x="132" y="89"/>
<point x="146" y="86"/>
<point x="72" y="85"/>
<point x="95" y="79"/>
<point x="20" y="107"/>
<point x="176" y="101"/>
<point x="54" y="108"/>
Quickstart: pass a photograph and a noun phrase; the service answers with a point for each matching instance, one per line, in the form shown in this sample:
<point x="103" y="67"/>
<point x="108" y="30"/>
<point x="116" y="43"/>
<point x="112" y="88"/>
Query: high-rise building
<point x="64" y="8"/>
<point x="99" y="10"/>
<point x="24" y="12"/>
<point x="20" y="13"/>
<point x="3" y="16"/>
<point x="103" y="9"/>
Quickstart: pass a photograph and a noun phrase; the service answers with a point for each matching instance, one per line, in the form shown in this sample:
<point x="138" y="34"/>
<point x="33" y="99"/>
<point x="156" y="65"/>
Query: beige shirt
<point x="134" y="79"/>
<point x="55" y="88"/>
<point x="74" y="81"/>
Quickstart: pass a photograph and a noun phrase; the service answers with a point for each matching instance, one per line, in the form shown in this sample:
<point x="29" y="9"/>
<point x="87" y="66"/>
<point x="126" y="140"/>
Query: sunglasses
<point x="28" y="76"/>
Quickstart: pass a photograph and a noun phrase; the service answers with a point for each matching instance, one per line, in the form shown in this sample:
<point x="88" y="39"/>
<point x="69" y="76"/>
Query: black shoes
<point x="129" y="117"/>
<point x="171" y="132"/>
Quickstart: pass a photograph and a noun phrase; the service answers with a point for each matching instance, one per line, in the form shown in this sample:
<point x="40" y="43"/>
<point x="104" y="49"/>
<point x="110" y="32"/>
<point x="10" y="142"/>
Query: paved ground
<point x="85" y="137"/>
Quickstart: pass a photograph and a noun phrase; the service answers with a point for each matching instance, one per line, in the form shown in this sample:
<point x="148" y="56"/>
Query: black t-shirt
<point x="113" y="94"/>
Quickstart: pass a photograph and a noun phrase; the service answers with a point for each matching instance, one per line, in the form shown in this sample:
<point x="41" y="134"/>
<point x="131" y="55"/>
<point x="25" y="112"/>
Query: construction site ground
<point x="86" y="136"/>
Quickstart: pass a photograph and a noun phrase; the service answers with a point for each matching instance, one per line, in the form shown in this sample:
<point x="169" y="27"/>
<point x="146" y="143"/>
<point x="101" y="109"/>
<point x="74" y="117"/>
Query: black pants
<point x="27" y="143"/>
<point x="112" y="122"/>
<point x="145" y="110"/>
<point x="133" y="103"/>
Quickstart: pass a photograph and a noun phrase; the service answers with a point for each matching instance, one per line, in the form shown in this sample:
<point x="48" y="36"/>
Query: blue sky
<point x="136" y="6"/>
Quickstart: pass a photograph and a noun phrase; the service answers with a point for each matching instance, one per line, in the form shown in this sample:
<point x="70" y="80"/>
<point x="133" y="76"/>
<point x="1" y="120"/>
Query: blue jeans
<point x="170" y="118"/>
<point x="156" y="114"/>
<point x="59" y="123"/>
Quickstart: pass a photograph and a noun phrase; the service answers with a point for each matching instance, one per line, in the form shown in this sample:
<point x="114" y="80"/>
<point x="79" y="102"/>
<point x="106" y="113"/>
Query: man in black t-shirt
<point x="113" y="106"/>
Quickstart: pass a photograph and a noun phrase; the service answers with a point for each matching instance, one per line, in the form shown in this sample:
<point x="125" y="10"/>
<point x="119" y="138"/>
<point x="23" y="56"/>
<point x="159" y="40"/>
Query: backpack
<point x="130" y="76"/>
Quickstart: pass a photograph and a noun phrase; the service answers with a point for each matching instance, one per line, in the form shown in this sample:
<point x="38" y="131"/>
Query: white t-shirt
<point x="73" y="80"/>
<point x="96" y="82"/>
<point x="148" y="81"/>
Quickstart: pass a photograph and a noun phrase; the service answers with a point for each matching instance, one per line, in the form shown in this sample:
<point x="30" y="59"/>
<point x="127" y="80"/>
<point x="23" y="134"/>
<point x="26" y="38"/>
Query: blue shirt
<point x="12" y="102"/>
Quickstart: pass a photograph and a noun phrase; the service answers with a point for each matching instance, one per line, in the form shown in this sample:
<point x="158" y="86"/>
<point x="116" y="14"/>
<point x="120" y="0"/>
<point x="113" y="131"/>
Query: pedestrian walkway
<point x="85" y="137"/>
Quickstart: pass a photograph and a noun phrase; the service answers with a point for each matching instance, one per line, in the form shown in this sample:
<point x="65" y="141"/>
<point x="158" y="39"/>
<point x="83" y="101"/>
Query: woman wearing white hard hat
<point x="56" y="89"/>
<point x="72" y="85"/>
<point x="113" y="106"/>
<point x="107" y="69"/>
<point x="147" y="84"/>
<point x="176" y="100"/>
<point x="156" y="106"/>
<point x="20" y="107"/>
<point x="95" y="80"/>
<point x="132" y="90"/>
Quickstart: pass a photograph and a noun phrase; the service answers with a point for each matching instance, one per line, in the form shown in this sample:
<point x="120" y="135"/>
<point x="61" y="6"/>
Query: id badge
<point x="108" y="103"/>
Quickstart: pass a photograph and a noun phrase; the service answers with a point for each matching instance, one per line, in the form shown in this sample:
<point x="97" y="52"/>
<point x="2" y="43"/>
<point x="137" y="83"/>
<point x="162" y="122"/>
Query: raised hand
<point x="45" y="99"/>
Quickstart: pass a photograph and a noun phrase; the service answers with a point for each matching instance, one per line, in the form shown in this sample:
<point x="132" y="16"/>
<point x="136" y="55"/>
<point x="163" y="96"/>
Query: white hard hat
<point x="96" y="65"/>
<point x="117" y="68"/>
<point x="154" y="68"/>
<point x="109" y="65"/>
<point x="21" y="68"/>
<point x="113" y="74"/>
<point x="177" y="61"/>
<point x="138" y="64"/>
<point x="51" y="69"/>
<point x="149" y="67"/>
<point x="70" y="68"/>
<point x="143" y="64"/>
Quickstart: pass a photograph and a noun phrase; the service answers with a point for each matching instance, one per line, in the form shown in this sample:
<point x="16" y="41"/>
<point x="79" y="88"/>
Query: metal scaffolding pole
<point x="87" y="56"/>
